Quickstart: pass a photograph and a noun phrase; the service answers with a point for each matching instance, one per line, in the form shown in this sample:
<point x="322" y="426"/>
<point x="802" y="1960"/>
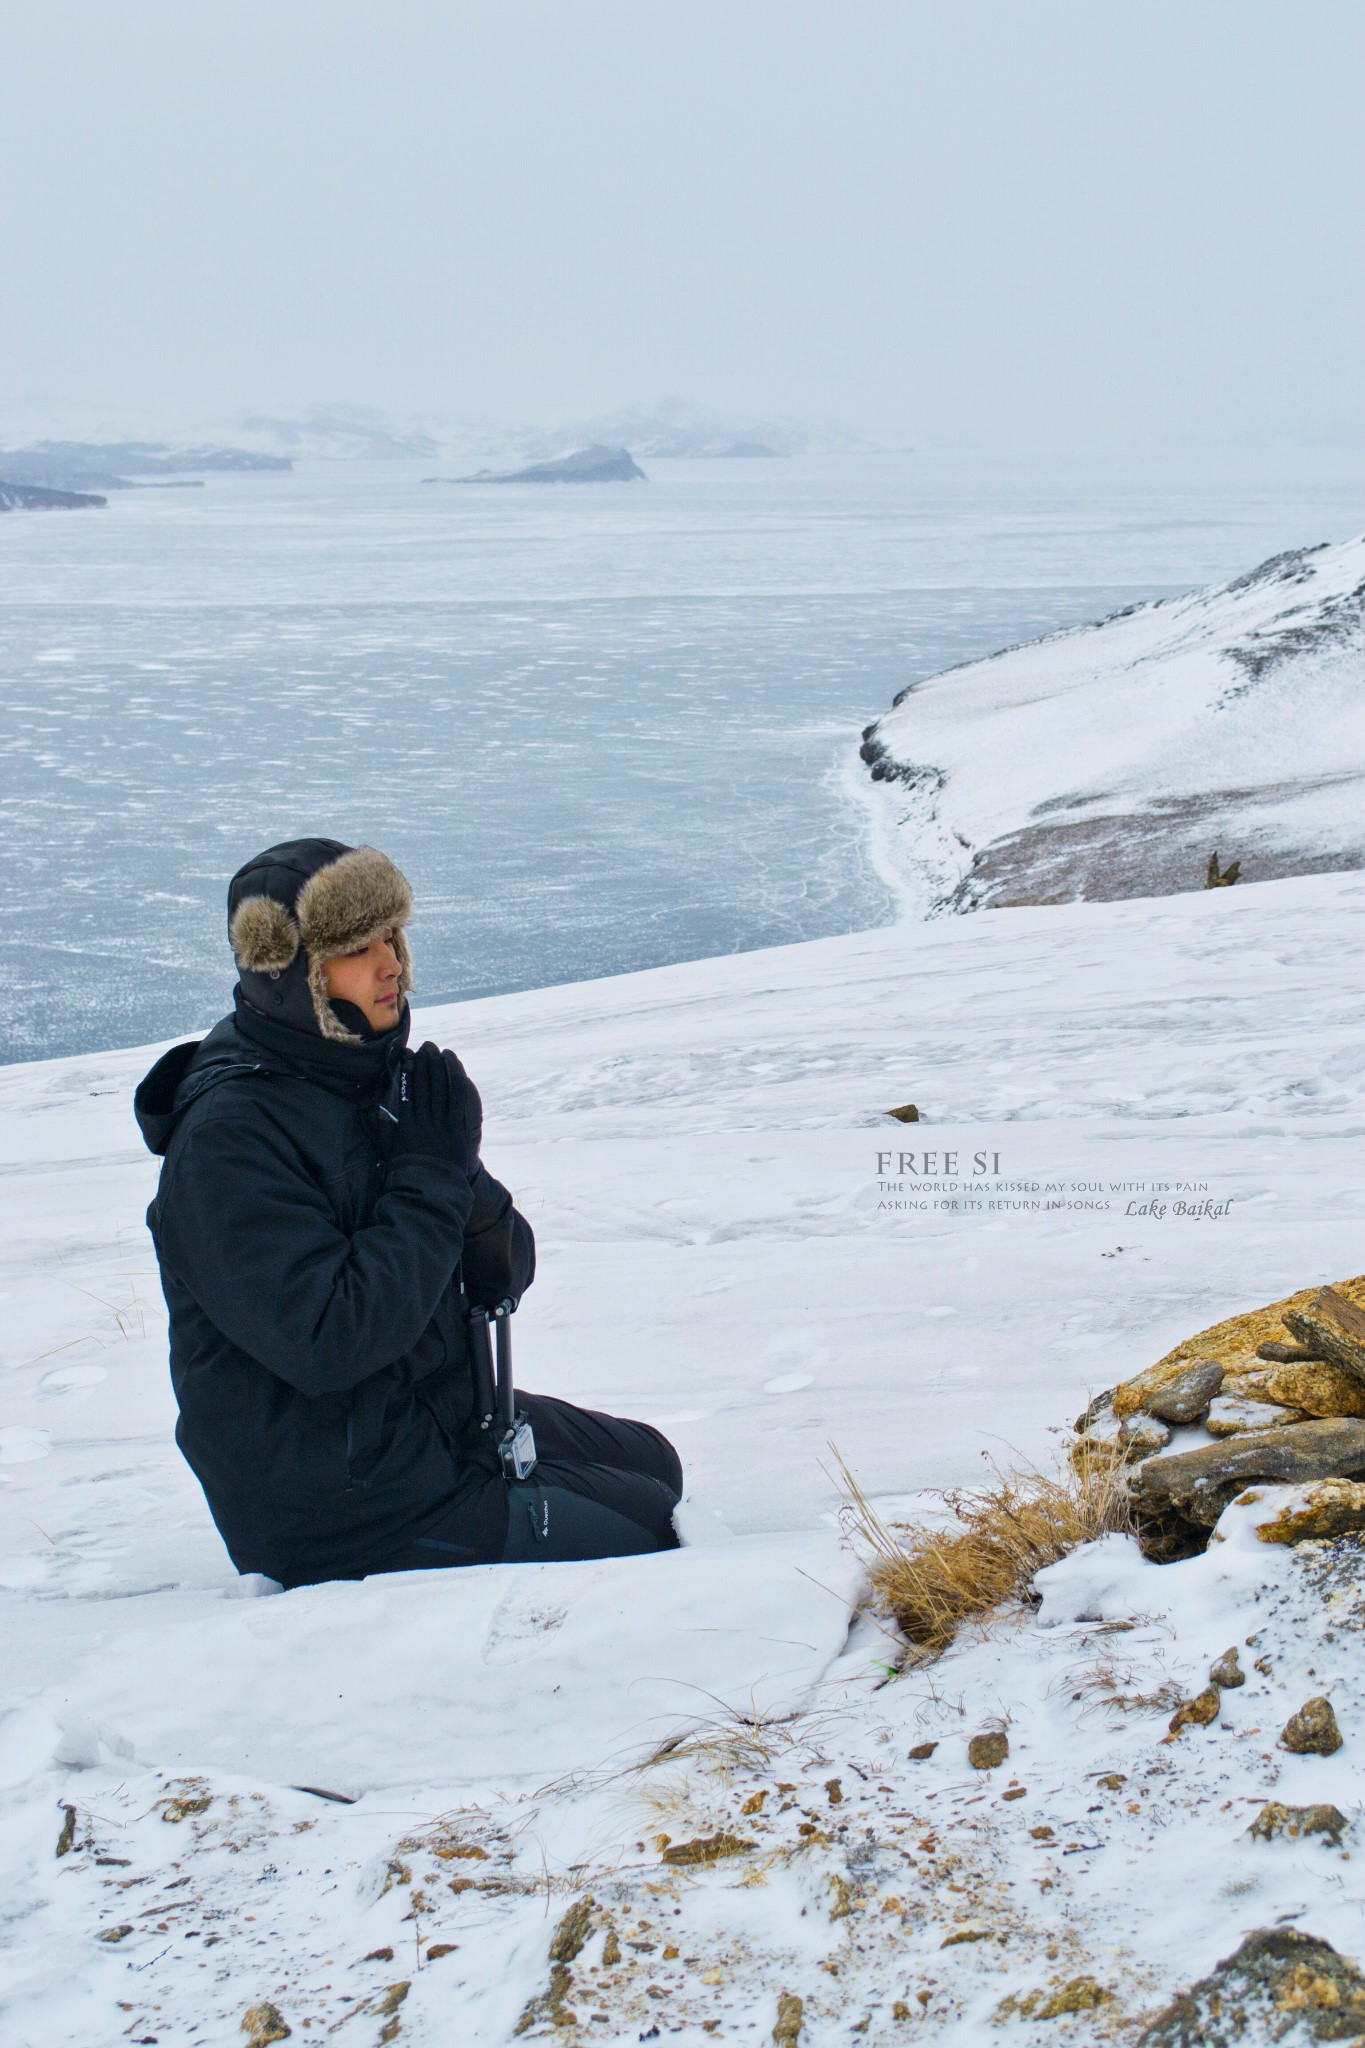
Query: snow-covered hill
<point x="1111" y="760"/>
<point x="737" y="1243"/>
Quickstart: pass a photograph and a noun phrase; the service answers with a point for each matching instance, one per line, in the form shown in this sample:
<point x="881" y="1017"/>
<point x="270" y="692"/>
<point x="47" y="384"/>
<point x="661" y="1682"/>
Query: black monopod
<point x="496" y="1399"/>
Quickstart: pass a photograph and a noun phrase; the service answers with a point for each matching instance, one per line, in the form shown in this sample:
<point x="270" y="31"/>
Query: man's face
<point x="369" y="979"/>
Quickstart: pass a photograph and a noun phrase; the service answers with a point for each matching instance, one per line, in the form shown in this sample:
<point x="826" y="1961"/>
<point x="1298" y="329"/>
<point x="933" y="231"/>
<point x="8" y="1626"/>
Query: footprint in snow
<point x="519" y="1626"/>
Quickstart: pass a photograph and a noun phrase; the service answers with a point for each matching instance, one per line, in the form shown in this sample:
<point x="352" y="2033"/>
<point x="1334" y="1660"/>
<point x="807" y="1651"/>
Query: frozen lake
<point x="601" y="728"/>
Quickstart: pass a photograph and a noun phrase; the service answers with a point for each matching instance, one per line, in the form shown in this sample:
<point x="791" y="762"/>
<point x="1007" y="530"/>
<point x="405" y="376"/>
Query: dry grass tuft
<point x="934" y="1579"/>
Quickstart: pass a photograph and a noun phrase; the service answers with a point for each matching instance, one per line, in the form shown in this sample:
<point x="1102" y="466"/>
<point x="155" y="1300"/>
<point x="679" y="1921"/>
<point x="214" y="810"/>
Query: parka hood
<point x="180" y="1077"/>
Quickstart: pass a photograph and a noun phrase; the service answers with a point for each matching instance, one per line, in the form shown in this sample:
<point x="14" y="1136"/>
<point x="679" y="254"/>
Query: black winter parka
<point x="318" y="1337"/>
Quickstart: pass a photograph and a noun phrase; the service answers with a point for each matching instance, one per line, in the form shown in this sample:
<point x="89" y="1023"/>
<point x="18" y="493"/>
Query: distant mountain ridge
<point x="676" y="428"/>
<point x="1111" y="760"/>
<point x="110" y="465"/>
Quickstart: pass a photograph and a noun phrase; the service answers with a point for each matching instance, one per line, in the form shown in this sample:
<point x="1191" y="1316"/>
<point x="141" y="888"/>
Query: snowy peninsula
<point x="686" y="1796"/>
<point x="1109" y="760"/>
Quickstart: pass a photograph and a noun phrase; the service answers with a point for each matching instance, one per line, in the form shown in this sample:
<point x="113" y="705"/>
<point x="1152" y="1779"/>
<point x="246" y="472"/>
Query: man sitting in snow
<point x="323" y="1225"/>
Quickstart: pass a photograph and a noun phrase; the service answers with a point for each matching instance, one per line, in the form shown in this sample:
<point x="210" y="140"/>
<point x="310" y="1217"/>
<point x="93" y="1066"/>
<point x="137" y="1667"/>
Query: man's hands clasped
<point x="441" y="1116"/>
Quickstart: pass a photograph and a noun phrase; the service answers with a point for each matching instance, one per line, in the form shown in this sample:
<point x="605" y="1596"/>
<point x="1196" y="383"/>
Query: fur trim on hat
<point x="263" y="936"/>
<point x="345" y="904"/>
<point x="341" y="908"/>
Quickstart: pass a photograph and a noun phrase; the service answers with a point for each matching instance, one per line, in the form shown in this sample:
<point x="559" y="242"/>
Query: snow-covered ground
<point x="1167" y="1098"/>
<point x="1110" y="760"/>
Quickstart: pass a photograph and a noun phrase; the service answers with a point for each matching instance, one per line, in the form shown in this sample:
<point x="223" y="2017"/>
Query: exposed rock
<point x="66" y="1840"/>
<point x="1226" y="1672"/>
<point x="263" y="2024"/>
<point x="16" y="497"/>
<point x="1294" y="1821"/>
<point x="112" y="1934"/>
<point x="985" y="1752"/>
<point x="1185" y="1396"/>
<point x="971" y="1930"/>
<point x="550" y="2004"/>
<point x="1330" y="1507"/>
<point x="1198" y="1712"/>
<point x="920" y="1751"/>
<point x="1178" y="1498"/>
<point x="1313" y="1731"/>
<point x="1230" y="1416"/>
<point x="1279" y="1985"/>
<point x="572" y="1931"/>
<point x="1318" y="1387"/>
<point x="1102" y="1405"/>
<point x="1082" y="1994"/>
<point x="1333" y="1327"/>
<point x="707" y="1848"/>
<point x="1283" y="1354"/>
<point x="1142" y="1436"/>
<point x="790" y="2013"/>
<point x="906" y="1114"/>
<point x="1234" y="1342"/>
<point x="585" y="466"/>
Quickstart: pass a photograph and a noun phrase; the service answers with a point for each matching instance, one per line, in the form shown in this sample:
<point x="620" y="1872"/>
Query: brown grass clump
<point x="934" y="1579"/>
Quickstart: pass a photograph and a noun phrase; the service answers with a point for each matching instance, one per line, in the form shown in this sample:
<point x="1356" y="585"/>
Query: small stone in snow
<point x="790" y="2013"/>
<point x="920" y="1751"/>
<point x="1226" y="1672"/>
<point x="985" y="1752"/>
<point x="1275" y="1819"/>
<point x="1082" y="1994"/>
<point x="1313" y="1731"/>
<point x="1198" y="1712"/>
<point x="264" y="2023"/>
<point x="572" y="1931"/>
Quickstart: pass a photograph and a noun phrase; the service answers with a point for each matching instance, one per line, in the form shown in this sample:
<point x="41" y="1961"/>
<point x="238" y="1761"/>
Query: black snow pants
<point x="602" y="1487"/>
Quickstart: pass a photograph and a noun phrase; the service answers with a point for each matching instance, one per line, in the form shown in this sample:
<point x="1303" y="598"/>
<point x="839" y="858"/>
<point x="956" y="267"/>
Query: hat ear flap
<point x="264" y="937"/>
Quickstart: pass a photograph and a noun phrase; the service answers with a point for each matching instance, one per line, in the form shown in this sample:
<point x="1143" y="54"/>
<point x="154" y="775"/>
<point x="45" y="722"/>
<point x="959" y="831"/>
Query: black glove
<point x="440" y="1115"/>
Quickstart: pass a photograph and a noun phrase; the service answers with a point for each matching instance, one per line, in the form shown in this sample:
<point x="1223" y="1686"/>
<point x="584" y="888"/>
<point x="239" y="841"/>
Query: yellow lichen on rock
<point x="1082" y="1994"/>
<point x="264" y="2023"/>
<point x="1327" y="1507"/>
<point x="1318" y="1388"/>
<point x="1232" y="1343"/>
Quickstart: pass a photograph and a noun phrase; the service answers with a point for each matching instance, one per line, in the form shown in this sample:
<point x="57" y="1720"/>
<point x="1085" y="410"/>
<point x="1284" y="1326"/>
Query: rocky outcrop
<point x="1277" y="1414"/>
<point x="16" y="497"/>
<point x="1177" y="1497"/>
<point x="586" y="466"/>
<point x="1279" y="1985"/>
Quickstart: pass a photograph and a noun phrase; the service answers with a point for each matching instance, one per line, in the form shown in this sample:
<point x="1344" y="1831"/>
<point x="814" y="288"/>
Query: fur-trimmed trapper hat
<point x="301" y="903"/>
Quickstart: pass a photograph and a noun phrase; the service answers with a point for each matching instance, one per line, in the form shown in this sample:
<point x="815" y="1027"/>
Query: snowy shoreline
<point x="697" y="1147"/>
<point x="1109" y="760"/>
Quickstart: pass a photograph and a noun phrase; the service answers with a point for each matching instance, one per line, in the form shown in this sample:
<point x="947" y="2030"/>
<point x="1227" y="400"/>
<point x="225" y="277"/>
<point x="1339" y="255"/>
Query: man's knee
<point x="549" y="1523"/>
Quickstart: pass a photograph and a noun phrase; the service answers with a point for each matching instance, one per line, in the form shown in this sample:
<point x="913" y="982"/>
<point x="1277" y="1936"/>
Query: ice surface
<point x="698" y="1147"/>
<point x="599" y="736"/>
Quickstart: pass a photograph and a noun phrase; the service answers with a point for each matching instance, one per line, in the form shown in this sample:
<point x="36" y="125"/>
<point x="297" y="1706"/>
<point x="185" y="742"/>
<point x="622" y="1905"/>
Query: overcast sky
<point x="1019" y="220"/>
